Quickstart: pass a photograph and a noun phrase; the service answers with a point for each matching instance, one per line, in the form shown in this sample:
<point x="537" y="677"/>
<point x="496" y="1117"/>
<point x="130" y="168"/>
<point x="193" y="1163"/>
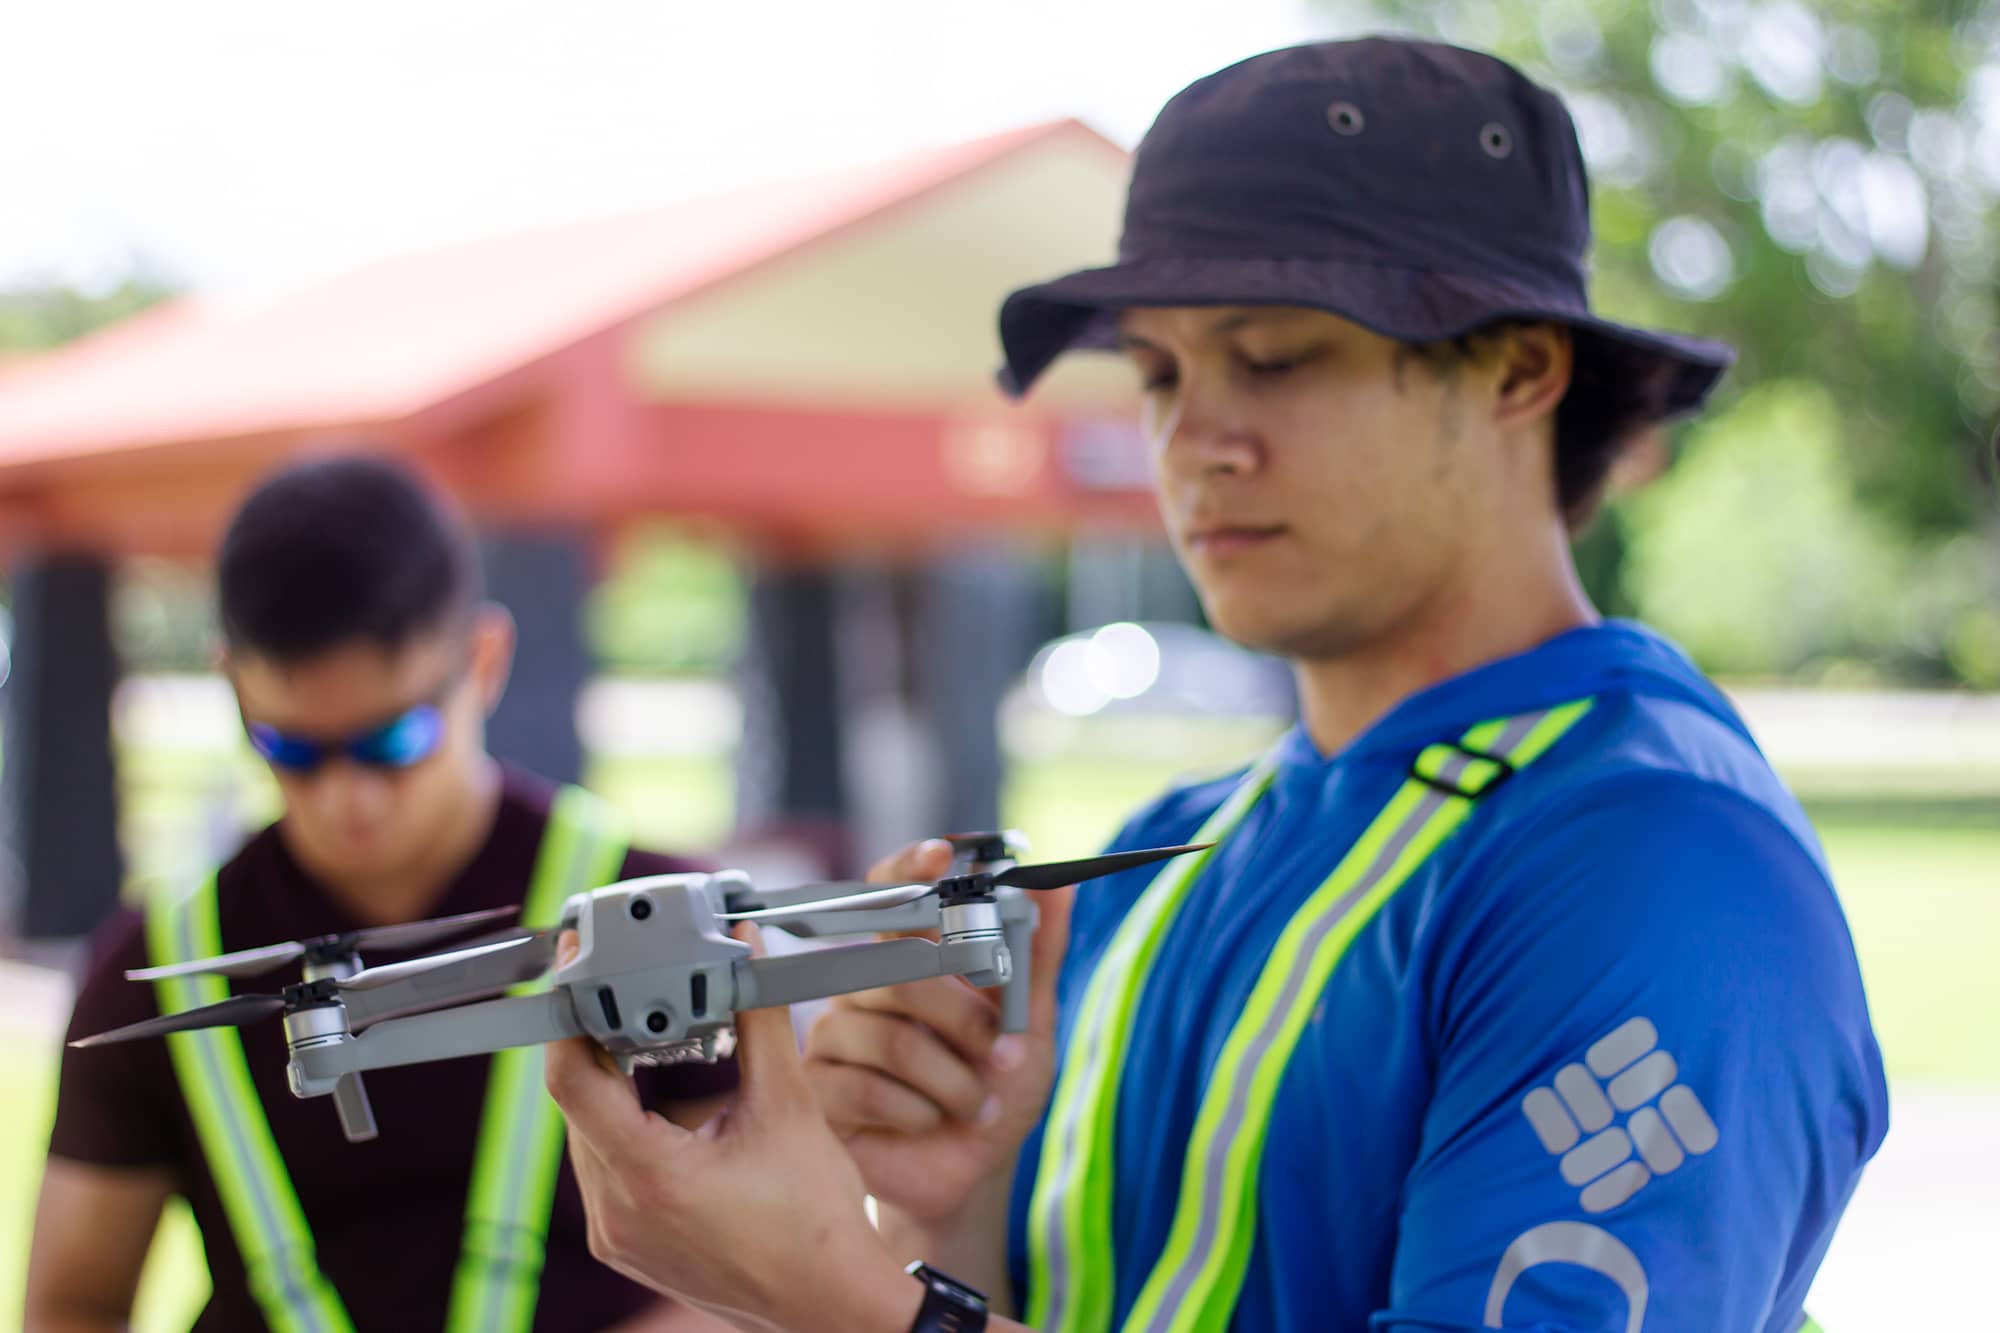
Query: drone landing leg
<point x="357" y="1117"/>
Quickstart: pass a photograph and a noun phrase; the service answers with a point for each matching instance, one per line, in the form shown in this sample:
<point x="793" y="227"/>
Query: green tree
<point x="37" y="316"/>
<point x="673" y="603"/>
<point x="1817" y="186"/>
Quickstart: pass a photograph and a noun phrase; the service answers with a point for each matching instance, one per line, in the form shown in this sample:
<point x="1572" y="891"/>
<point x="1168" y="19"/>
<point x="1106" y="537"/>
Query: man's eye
<point x="1277" y="367"/>
<point x="1159" y="381"/>
<point x="1271" y="370"/>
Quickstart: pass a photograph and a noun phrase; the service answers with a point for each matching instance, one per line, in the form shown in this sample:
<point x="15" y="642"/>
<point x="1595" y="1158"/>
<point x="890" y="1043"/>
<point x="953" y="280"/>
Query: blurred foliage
<point x="38" y="316"/>
<point x="163" y="615"/>
<point x="1817" y="186"/>
<point x="674" y="603"/>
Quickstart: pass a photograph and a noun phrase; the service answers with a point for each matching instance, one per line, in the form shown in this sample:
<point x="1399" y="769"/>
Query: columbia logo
<point x="1625" y="1073"/>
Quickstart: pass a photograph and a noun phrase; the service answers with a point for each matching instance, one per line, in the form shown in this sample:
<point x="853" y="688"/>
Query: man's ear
<point x="492" y="653"/>
<point x="1535" y="364"/>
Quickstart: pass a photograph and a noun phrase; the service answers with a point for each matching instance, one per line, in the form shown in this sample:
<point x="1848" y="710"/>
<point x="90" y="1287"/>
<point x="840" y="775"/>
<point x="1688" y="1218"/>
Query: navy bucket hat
<point x="1416" y="189"/>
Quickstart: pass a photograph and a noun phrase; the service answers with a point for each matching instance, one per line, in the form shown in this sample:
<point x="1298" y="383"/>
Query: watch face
<point x="947" y="1286"/>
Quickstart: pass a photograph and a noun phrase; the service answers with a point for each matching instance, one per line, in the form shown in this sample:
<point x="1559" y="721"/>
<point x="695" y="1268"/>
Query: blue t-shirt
<point x="1605" y="1056"/>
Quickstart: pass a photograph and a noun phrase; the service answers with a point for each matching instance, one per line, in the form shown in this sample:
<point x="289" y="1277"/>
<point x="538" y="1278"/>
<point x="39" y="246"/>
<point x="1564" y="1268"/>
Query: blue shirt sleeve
<point x="1655" y="1079"/>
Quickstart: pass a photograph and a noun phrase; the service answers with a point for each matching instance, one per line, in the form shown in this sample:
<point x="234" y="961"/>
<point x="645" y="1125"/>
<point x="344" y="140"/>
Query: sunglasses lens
<point x="408" y="740"/>
<point x="287" y="752"/>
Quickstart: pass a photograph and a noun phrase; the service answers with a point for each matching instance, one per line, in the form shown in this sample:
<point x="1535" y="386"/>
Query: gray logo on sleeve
<point x="1619" y="1117"/>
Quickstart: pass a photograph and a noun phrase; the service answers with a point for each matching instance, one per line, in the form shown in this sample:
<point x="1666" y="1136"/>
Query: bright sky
<point x="246" y="147"/>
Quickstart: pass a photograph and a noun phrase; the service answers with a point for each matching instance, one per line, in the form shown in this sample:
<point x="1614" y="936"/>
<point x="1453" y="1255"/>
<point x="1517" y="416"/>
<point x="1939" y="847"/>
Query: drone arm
<point x="919" y="915"/>
<point x="411" y="988"/>
<point x="763" y="983"/>
<point x="473" y="1029"/>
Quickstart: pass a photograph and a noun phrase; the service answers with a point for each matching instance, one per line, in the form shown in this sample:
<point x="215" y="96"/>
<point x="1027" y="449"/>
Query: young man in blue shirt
<point x="1514" y="993"/>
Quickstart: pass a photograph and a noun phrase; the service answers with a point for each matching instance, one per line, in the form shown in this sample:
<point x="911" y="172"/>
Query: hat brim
<point x="1040" y="323"/>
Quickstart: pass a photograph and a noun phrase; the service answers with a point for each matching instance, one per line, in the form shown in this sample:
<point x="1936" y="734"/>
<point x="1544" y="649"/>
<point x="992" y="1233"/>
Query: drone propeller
<point x="242" y="1010"/>
<point x="1056" y="874"/>
<point x="857" y="896"/>
<point x="236" y="1011"/>
<point x="256" y="962"/>
<point x="372" y="978"/>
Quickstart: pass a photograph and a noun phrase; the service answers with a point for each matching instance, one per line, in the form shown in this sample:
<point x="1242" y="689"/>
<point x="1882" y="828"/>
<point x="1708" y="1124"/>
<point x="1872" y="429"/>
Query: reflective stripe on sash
<point x="520" y="1142"/>
<point x="521" y="1132"/>
<point x="1194" y="1285"/>
<point x="257" y="1194"/>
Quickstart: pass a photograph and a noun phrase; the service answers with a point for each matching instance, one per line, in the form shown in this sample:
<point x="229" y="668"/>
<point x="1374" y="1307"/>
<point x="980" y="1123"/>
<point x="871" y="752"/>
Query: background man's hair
<point x="1615" y="393"/>
<point x="341" y="550"/>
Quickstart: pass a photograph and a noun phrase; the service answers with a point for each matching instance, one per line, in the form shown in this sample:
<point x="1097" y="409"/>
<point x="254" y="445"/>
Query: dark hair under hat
<point x="1420" y="190"/>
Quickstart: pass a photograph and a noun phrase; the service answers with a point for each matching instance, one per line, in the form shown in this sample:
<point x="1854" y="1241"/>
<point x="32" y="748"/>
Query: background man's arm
<point x="93" y="1228"/>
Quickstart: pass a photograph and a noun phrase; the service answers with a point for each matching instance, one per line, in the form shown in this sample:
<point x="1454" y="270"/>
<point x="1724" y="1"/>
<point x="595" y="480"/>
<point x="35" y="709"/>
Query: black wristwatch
<point x="949" y="1305"/>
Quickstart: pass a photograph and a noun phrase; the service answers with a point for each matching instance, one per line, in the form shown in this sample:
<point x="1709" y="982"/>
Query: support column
<point x="790" y="781"/>
<point x="543" y="578"/>
<point x="59" y="792"/>
<point x="979" y="617"/>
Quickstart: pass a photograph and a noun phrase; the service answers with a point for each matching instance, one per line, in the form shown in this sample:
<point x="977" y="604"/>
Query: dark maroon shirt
<point x="386" y="1215"/>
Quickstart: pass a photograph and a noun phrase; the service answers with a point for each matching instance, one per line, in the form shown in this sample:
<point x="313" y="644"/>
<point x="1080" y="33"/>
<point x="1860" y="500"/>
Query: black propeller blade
<point x="416" y="934"/>
<point x="256" y="962"/>
<point x="1056" y="874"/>
<point x="236" y="1011"/>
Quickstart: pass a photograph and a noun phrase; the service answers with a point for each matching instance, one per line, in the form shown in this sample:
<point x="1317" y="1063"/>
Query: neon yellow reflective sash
<point x="521" y="1131"/>
<point x="250" y="1177"/>
<point x="1194" y="1285"/>
<point x="508" y="1211"/>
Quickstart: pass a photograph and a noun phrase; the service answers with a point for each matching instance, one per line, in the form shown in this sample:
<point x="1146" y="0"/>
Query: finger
<point x="566" y="948"/>
<point x="767" y="1049"/>
<point x="907" y="1052"/>
<point x="966" y="1018"/>
<point x="915" y="863"/>
<point x="601" y="1105"/>
<point x="853" y="1099"/>
<point x="592" y="1178"/>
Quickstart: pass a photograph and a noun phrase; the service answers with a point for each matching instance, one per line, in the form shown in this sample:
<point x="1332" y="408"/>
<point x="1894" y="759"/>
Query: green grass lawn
<point x="1920" y="881"/>
<point x="175" y="1284"/>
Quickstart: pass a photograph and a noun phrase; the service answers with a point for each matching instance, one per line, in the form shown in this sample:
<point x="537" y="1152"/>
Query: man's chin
<point x="357" y="858"/>
<point x="1295" y="640"/>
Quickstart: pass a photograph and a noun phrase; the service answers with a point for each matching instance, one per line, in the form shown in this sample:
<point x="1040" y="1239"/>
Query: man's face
<point x="1317" y="492"/>
<point x="347" y="818"/>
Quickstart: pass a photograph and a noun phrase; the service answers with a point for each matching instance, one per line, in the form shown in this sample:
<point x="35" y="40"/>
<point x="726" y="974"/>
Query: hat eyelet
<point x="1496" y="140"/>
<point x="1346" y="118"/>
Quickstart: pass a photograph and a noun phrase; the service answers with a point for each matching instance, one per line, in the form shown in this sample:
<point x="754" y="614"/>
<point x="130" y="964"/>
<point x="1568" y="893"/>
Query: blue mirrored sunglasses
<point x="407" y="739"/>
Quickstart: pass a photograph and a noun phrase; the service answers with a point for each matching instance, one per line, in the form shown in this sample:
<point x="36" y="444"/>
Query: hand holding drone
<point x="656" y="979"/>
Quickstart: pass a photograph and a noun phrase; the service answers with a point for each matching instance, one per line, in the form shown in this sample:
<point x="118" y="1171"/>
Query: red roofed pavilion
<point x="808" y="363"/>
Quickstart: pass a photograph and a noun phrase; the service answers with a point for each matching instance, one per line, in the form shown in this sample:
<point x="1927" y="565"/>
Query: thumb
<point x="601" y="1104"/>
<point x="1050" y="944"/>
<point x="767" y="1049"/>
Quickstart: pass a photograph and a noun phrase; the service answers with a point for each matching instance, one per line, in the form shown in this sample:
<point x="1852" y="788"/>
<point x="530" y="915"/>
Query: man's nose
<point x="1204" y="434"/>
<point x="349" y="790"/>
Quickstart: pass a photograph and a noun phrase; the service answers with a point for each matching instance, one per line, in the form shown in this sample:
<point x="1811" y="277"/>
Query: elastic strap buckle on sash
<point x="1482" y="771"/>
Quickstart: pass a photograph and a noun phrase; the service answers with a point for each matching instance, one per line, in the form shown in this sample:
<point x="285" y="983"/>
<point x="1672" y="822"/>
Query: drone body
<point x="657" y="977"/>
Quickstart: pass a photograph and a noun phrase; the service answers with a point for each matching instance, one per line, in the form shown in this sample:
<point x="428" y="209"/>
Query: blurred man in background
<point x="365" y="664"/>
<point x="1514" y="993"/>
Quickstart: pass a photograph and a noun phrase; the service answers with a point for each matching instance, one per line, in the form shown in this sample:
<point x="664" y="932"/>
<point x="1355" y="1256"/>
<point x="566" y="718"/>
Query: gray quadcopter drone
<point x="657" y="978"/>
